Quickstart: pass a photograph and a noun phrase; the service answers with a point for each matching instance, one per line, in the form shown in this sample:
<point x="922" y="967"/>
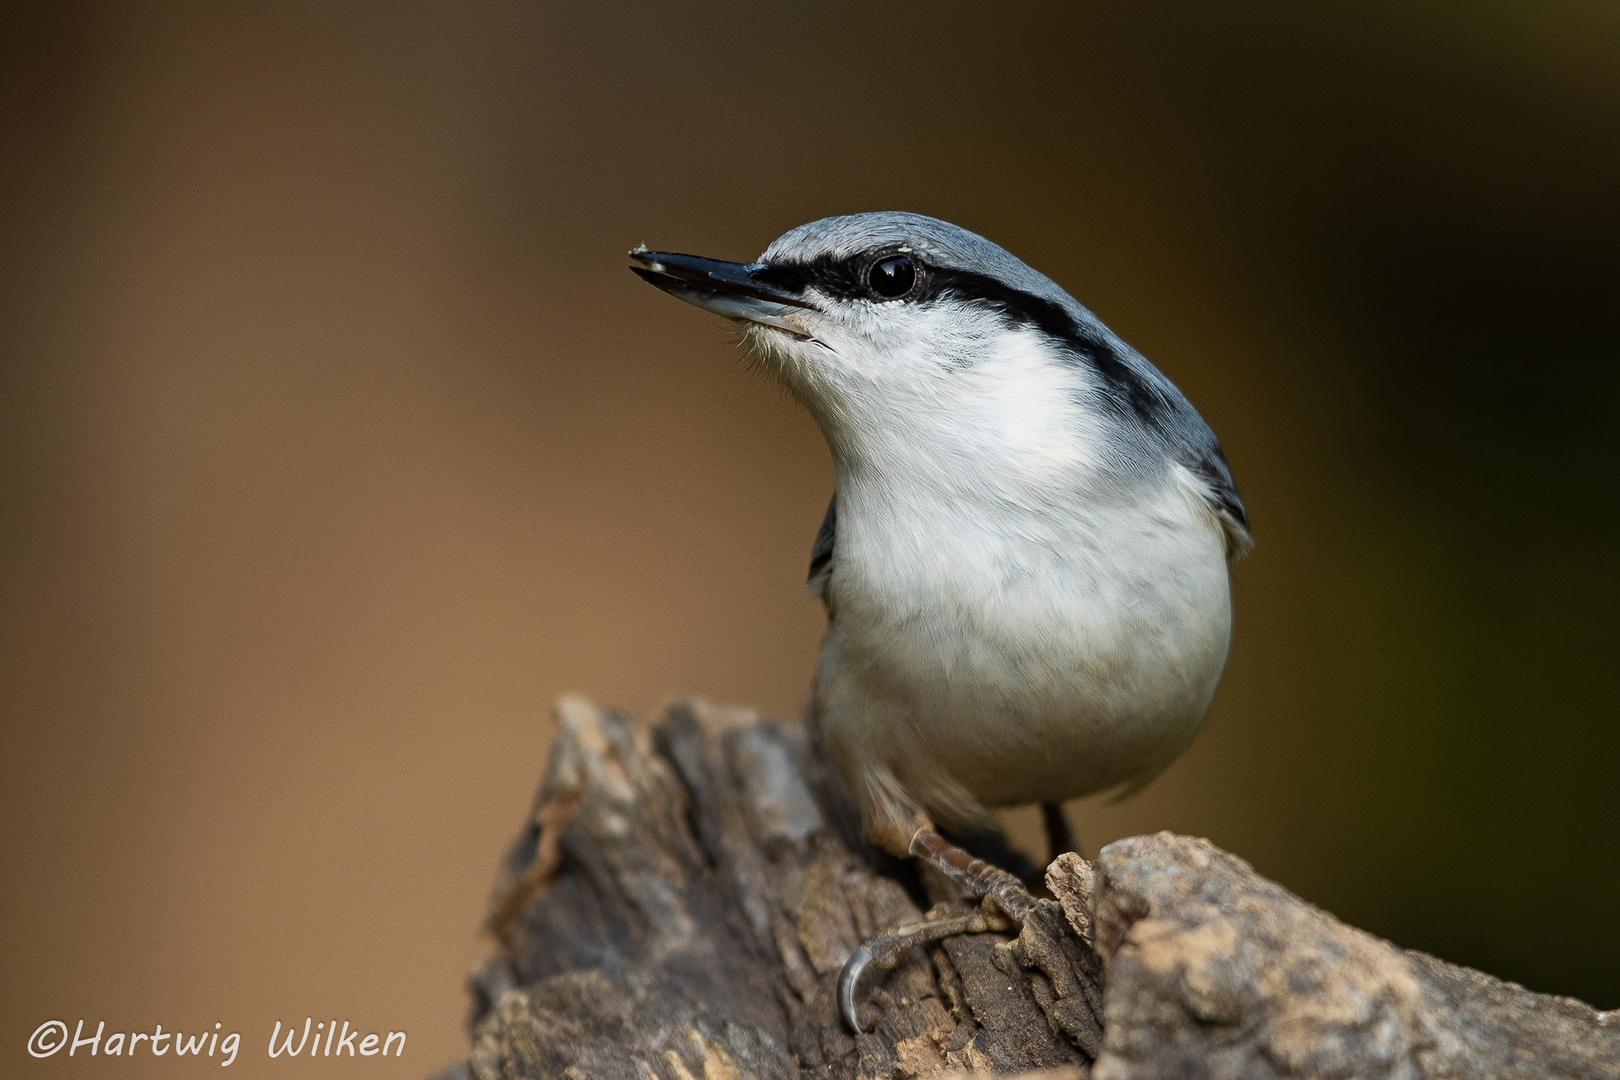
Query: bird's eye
<point x="891" y="278"/>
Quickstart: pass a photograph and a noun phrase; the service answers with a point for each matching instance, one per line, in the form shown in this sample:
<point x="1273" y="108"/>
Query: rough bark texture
<point x="683" y="898"/>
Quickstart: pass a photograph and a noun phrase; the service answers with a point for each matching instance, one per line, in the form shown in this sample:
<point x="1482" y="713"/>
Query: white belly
<point x="1028" y="659"/>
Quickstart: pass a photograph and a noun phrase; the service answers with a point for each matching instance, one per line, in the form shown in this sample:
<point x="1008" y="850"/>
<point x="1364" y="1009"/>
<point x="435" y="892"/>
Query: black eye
<point x="891" y="278"/>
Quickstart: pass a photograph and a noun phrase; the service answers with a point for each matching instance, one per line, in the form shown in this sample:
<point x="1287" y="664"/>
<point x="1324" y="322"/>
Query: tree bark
<point x="683" y="897"/>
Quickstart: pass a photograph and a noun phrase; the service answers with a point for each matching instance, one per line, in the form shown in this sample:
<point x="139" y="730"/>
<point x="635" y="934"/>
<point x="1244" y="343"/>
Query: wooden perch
<point x="683" y="898"/>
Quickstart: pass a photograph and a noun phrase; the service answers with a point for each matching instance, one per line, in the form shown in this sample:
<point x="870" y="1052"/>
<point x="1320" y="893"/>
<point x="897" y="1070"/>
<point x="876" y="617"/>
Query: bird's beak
<point x="726" y="288"/>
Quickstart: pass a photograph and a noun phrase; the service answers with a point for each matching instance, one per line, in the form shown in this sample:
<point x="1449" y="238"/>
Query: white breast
<point x="1012" y="624"/>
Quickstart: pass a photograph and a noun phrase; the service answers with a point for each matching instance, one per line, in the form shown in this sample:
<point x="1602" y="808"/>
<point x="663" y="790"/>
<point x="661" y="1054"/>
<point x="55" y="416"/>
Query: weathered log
<point x="684" y="896"/>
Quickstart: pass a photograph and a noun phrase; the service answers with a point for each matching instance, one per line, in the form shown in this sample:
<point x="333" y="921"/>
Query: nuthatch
<point x="1025" y="562"/>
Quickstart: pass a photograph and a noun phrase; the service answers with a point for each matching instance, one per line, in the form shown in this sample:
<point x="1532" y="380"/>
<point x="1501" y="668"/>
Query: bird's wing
<point x="1208" y="466"/>
<point x="821" y="554"/>
<point x="1146" y="401"/>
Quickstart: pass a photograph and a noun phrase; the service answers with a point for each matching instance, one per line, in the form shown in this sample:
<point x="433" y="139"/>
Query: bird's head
<point x="874" y="312"/>
<point x="903" y="333"/>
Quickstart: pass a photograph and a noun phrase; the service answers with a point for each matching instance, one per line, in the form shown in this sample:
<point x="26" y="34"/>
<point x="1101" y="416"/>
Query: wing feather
<point x="821" y="553"/>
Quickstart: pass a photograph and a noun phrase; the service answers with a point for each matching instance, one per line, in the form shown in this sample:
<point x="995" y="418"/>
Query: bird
<point x="1026" y="560"/>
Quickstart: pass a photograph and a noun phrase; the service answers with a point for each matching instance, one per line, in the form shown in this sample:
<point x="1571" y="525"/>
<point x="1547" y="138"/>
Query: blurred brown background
<point x="337" y="441"/>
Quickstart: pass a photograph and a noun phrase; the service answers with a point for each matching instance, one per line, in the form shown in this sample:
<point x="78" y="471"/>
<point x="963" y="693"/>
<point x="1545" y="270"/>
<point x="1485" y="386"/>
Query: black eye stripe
<point x="840" y="279"/>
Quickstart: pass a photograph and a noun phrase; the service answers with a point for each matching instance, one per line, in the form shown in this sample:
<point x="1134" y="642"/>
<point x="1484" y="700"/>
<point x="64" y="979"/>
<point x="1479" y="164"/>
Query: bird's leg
<point x="1005" y="904"/>
<point x="975" y="875"/>
<point x="1059" y="835"/>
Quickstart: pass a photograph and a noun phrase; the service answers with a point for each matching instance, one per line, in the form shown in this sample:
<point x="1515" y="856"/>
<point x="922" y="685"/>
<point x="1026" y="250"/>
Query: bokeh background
<point x="337" y="442"/>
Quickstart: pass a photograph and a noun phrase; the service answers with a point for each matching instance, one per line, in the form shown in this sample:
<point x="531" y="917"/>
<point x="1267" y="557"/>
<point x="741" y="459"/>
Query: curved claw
<point x="848" y="981"/>
<point x="887" y="948"/>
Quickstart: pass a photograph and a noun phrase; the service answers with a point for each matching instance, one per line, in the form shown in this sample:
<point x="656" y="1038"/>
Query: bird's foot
<point x="1004" y="904"/>
<point x="884" y="950"/>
